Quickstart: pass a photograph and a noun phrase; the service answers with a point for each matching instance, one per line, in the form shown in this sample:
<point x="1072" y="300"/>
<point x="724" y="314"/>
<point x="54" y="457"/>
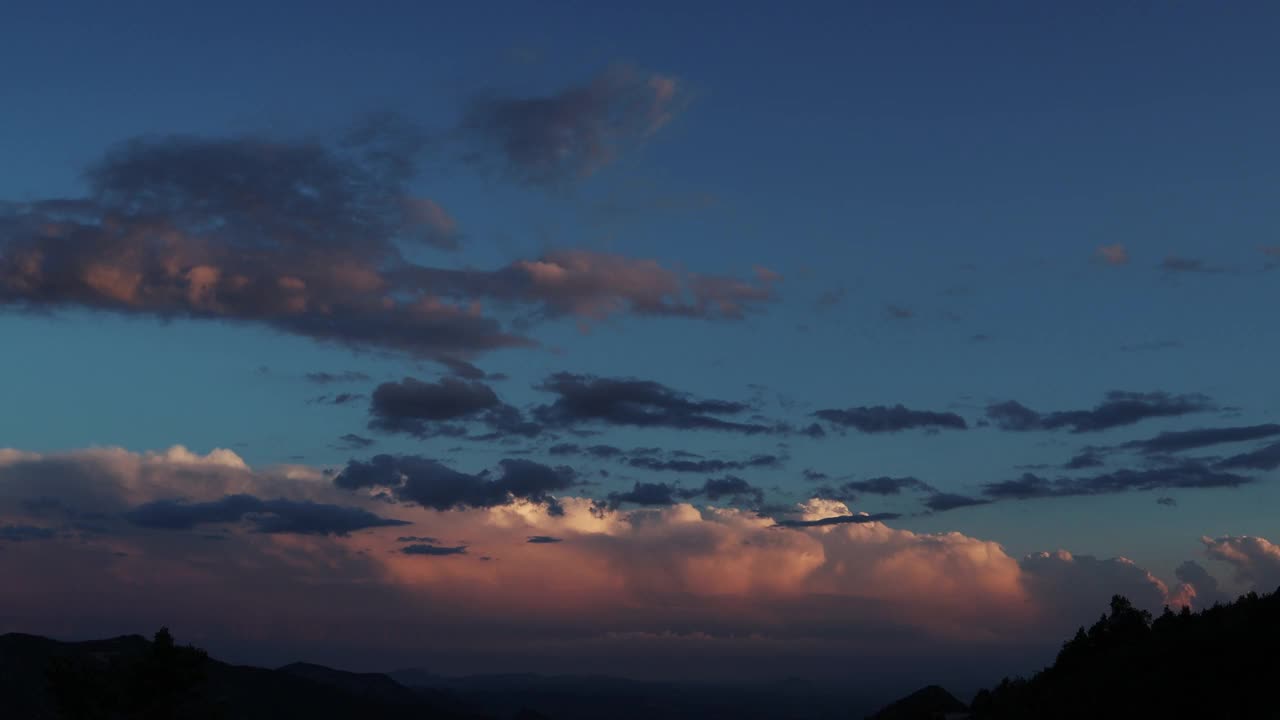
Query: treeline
<point x="1221" y="662"/>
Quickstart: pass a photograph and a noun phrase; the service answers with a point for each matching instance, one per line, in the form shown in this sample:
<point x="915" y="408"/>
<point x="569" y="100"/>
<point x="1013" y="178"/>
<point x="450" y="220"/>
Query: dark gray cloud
<point x="1119" y="408"/>
<point x="566" y="136"/>
<point x="351" y="441"/>
<point x="328" y="378"/>
<point x="1266" y="457"/>
<point x="337" y="399"/>
<point x="418" y="539"/>
<point x="705" y="465"/>
<point x="1171" y="442"/>
<point x="441" y="408"/>
<point x="885" y="419"/>
<point x="543" y="539"/>
<point x="22" y="533"/>
<point x="643" y="493"/>
<point x="586" y="399"/>
<point x="268" y="516"/>
<point x="838" y="520"/>
<point x="427" y="482"/>
<point x="729" y="486"/>
<point x="897" y="312"/>
<point x="597" y="451"/>
<point x="1084" y="460"/>
<point x="941" y="502"/>
<point x="1167" y="501"/>
<point x="434" y="550"/>
<point x="1188" y="474"/>
<point x="886" y="485"/>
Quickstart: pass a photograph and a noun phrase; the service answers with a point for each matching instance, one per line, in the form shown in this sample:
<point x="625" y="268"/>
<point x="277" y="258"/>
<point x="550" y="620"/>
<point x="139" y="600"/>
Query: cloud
<point x="268" y="516"/>
<point x="592" y="285"/>
<point x="1176" y="264"/>
<point x="306" y="238"/>
<point x="1063" y="582"/>
<point x="883" y="419"/>
<point x="1171" y="442"/>
<point x="1167" y="501"/>
<point x="336" y="399"/>
<point x="424" y="409"/>
<point x="1112" y="254"/>
<point x="643" y="493"/>
<point x="1256" y="560"/>
<point x="431" y="484"/>
<point x="886" y="485"/>
<point x="434" y="550"/>
<point x="897" y="312"/>
<point x="586" y="399"/>
<point x="1203" y="587"/>
<point x="809" y="596"/>
<point x="328" y="378"/>
<point x="1119" y="408"/>
<point x="597" y="451"/>
<point x="543" y="539"/>
<point x="351" y="441"/>
<point x="941" y="502"/>
<point x="1266" y="457"/>
<point x="1087" y="459"/>
<point x="569" y="135"/>
<point x="856" y="519"/>
<point x="703" y="466"/>
<point x="1187" y="474"/>
<point x="22" y="533"/>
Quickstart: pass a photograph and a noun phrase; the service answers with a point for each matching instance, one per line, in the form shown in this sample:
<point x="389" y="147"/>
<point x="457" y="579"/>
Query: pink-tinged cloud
<point x="282" y="559"/>
<point x="1112" y="254"/>
<point x="307" y="240"/>
<point x="1256" y="560"/>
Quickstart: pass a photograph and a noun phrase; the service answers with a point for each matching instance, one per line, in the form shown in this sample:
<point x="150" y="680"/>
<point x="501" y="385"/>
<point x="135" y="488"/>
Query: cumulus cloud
<point x="883" y="419"/>
<point x="1119" y="408"/>
<point x="805" y="591"/>
<point x="1198" y="586"/>
<point x="569" y="135"/>
<point x="1256" y="560"/>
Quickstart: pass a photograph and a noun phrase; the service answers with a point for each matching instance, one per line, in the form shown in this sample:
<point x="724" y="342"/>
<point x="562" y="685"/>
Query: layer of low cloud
<point x="1118" y="409"/>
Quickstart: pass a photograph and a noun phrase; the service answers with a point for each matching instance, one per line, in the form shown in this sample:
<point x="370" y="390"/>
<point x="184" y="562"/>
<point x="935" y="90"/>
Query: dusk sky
<point x="724" y="341"/>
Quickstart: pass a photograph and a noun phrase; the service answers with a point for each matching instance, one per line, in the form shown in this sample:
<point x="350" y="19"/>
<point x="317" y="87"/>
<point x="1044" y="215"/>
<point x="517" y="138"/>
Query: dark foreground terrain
<point x="1219" y="663"/>
<point x="132" y="677"/>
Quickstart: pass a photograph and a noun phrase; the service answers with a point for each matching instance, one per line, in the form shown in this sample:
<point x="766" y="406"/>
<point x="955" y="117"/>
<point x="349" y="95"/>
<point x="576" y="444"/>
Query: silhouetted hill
<point x="131" y="677"/>
<point x="930" y="703"/>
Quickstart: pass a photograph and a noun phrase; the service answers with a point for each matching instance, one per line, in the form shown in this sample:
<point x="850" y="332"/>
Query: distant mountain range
<point x="133" y="677"/>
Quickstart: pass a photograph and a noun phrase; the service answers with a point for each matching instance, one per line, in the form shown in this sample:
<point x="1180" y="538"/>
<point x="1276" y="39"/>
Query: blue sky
<point x="934" y="184"/>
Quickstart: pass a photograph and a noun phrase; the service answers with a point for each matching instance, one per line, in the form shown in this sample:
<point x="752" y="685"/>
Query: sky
<point x="663" y="341"/>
